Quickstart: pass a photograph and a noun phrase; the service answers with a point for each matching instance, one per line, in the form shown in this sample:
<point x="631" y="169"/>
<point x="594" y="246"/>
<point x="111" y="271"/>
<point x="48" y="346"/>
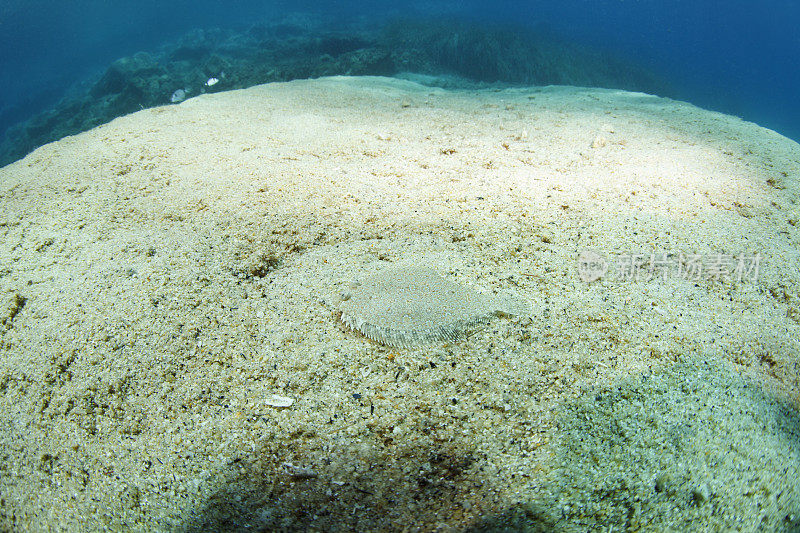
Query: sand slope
<point x="164" y="275"/>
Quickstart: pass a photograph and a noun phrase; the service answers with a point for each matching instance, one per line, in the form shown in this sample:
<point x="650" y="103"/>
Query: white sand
<point x="164" y="275"/>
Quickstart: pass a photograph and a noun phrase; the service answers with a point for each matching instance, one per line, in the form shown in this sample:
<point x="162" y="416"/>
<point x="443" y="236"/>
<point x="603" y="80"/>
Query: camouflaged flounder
<point x="406" y="307"/>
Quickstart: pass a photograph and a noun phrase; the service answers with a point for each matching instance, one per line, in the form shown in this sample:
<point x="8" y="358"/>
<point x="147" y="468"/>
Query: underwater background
<point x="733" y="57"/>
<point x="427" y="266"/>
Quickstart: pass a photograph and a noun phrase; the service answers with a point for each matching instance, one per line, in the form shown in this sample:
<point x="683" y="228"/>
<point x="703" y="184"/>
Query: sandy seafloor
<point x="164" y="275"/>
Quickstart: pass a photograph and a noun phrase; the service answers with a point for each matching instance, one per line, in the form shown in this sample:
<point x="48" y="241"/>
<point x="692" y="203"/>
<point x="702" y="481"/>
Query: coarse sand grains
<point x="172" y="356"/>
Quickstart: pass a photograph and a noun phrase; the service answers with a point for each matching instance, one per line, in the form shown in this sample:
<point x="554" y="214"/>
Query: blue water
<point x="741" y="58"/>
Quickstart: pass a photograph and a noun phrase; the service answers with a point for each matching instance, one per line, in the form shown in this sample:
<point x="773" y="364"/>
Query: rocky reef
<point x="446" y="53"/>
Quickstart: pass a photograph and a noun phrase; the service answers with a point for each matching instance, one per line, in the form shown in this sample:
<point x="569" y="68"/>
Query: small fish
<point x="178" y="96"/>
<point x="211" y="82"/>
